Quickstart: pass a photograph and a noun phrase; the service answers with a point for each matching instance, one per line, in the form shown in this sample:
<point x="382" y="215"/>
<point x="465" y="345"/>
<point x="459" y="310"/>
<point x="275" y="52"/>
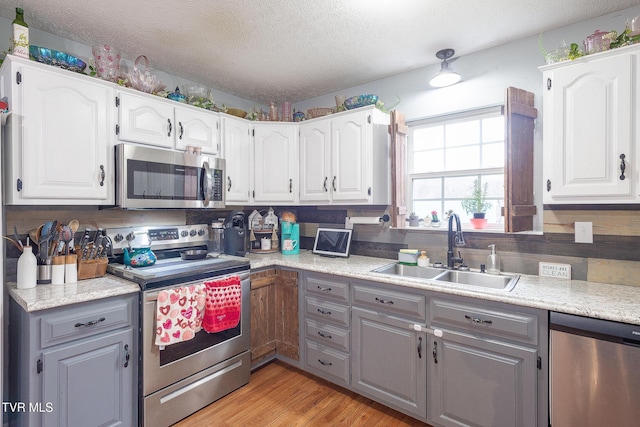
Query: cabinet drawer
<point x="328" y="334"/>
<point x="327" y="311"/>
<point x="83" y="320"/>
<point x="326" y="287"/>
<point x="497" y="322"/>
<point x="412" y="305"/>
<point x="329" y="363"/>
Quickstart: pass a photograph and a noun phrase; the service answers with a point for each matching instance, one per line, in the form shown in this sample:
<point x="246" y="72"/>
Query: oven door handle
<point x="206" y="184"/>
<point x="152" y="296"/>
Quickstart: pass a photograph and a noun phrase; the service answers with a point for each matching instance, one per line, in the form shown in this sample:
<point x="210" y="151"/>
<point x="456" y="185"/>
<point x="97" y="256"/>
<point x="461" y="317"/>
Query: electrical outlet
<point x="584" y="232"/>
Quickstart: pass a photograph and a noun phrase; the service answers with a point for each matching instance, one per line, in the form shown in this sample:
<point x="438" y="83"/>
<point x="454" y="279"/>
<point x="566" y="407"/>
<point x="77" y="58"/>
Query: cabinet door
<point x="66" y="150"/>
<point x="389" y="361"/>
<point x="145" y="120"/>
<point x="91" y="382"/>
<point x="236" y="144"/>
<point x="197" y="128"/>
<point x="351" y="149"/>
<point x="276" y="164"/>
<point x="315" y="161"/>
<point x="475" y="382"/>
<point x="590" y="126"/>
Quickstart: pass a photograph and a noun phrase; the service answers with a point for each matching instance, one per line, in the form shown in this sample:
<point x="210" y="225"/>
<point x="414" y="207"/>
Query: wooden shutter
<point x="398" y="132"/>
<point x="520" y="115"/>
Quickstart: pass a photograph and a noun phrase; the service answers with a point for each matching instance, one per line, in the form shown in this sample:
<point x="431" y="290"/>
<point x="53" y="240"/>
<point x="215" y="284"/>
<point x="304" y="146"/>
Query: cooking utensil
<point x="15" y="234"/>
<point x="194" y="254"/>
<point x="96" y="246"/>
<point x="66" y="236"/>
<point x="84" y="243"/>
<point x="74" y="225"/>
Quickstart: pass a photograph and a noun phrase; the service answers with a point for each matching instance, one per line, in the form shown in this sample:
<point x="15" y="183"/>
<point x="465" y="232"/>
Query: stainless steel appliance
<point x="595" y="380"/>
<point x="181" y="378"/>
<point x="148" y="177"/>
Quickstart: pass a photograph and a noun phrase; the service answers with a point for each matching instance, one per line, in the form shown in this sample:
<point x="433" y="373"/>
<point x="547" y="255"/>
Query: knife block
<point x="91" y="268"/>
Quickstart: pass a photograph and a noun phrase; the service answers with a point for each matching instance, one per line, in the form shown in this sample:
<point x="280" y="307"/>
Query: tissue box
<point x="408" y="256"/>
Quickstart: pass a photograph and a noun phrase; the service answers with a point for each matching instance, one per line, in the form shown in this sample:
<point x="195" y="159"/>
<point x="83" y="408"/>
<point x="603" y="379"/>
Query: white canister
<point x="265" y="243"/>
<point x="71" y="269"/>
<point x="57" y="270"/>
<point x="27" y="269"/>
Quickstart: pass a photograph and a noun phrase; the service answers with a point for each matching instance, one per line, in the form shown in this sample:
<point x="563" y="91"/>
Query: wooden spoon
<point x="74" y="225"/>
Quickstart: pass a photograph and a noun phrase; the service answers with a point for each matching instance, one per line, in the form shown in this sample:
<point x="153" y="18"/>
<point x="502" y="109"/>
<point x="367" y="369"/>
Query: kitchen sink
<point x="505" y="282"/>
<point x="484" y="280"/>
<point x="397" y="269"/>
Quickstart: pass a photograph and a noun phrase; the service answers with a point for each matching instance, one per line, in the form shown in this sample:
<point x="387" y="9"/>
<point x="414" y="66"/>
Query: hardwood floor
<point x="280" y="395"/>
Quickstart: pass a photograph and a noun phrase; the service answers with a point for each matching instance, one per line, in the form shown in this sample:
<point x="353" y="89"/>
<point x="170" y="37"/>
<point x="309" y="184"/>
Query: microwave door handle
<point x="206" y="183"/>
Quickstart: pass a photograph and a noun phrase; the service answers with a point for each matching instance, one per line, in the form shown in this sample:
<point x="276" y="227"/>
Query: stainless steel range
<point x="181" y="378"/>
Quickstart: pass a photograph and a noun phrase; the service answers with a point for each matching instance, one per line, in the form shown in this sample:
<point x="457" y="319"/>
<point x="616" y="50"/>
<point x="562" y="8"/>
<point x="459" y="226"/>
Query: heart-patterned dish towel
<point x="223" y="304"/>
<point x="179" y="313"/>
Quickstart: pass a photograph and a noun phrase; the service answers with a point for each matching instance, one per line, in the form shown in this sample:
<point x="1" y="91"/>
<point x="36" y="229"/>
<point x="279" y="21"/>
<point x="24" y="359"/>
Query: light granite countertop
<point x="43" y="297"/>
<point x="611" y="302"/>
<point x="604" y="301"/>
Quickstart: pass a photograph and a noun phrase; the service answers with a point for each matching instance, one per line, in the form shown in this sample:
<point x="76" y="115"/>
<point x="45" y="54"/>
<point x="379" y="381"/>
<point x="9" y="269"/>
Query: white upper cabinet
<point x="590" y="111"/>
<point x="315" y="161"/>
<point x="166" y="123"/>
<point x="237" y="152"/>
<point x="344" y="159"/>
<point x="59" y="147"/>
<point x="275" y="167"/>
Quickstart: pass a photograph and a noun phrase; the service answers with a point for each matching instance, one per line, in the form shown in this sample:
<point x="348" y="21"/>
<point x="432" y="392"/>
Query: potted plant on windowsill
<point x="476" y="204"/>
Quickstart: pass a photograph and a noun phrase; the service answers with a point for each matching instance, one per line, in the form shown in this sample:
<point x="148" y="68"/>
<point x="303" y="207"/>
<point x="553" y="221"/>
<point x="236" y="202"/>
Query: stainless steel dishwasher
<point x="595" y="372"/>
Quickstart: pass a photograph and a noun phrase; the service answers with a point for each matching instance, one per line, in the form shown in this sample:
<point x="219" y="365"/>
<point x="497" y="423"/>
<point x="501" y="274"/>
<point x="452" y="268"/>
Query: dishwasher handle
<point x="608" y="330"/>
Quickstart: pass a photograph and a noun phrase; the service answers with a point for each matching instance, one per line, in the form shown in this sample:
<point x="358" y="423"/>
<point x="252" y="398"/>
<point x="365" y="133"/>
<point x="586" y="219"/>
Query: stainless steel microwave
<point x="148" y="178"/>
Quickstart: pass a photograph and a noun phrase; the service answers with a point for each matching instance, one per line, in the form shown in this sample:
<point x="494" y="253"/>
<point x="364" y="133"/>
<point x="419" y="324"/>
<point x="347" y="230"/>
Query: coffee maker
<point x="290" y="234"/>
<point x="234" y="234"/>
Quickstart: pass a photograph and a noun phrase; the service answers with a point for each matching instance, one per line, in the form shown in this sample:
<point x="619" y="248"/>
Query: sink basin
<point x="484" y="280"/>
<point x="505" y="282"/>
<point x="409" y="271"/>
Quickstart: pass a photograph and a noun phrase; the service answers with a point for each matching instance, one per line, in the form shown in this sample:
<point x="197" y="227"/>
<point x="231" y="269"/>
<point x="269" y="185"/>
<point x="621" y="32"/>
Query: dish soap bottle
<point x="20" y="35"/>
<point x="27" y="269"/>
<point x="423" y="259"/>
<point x="493" y="261"/>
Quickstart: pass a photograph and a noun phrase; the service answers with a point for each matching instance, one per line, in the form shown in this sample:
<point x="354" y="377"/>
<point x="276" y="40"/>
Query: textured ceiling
<point x="264" y="50"/>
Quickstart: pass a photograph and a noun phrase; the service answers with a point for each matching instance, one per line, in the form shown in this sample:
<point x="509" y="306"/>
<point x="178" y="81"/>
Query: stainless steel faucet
<point x="455" y="239"/>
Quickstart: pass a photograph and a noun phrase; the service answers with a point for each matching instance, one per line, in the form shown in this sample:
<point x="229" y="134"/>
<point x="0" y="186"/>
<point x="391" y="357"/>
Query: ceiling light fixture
<point x="446" y="76"/>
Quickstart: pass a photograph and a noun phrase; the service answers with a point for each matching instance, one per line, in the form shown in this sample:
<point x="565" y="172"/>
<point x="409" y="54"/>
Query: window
<point x="448" y="155"/>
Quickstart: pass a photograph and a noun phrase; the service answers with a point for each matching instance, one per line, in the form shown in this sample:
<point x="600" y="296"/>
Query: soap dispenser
<point x="493" y="261"/>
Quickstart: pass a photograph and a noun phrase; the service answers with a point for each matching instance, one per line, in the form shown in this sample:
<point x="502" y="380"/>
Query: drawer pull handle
<point x="328" y="313"/>
<point x="435" y="352"/>
<point x="90" y="323"/>
<point x="419" y="347"/>
<point x="384" y="301"/>
<point x="476" y="320"/>
<point x="323" y="363"/>
<point x="323" y="289"/>
<point x="323" y="335"/>
<point x="127" y="356"/>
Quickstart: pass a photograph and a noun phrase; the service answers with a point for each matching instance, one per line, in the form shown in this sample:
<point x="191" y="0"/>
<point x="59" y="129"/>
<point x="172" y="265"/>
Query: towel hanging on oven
<point x="179" y="315"/>
<point x="223" y="304"/>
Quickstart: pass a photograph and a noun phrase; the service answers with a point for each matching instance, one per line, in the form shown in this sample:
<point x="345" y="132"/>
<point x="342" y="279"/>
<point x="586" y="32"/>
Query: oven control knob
<point x="201" y="232"/>
<point x="192" y="233"/>
<point x="184" y="233"/>
<point x="118" y="238"/>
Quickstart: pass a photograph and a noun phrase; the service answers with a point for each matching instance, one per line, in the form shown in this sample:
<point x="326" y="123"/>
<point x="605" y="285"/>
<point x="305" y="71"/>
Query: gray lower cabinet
<point x="389" y="361"/>
<point x="327" y="327"/>
<point x="484" y="367"/>
<point x="75" y="365"/>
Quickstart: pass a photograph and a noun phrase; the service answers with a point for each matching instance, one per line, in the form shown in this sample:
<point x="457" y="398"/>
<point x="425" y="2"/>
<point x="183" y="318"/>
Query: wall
<point x="612" y="258"/>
